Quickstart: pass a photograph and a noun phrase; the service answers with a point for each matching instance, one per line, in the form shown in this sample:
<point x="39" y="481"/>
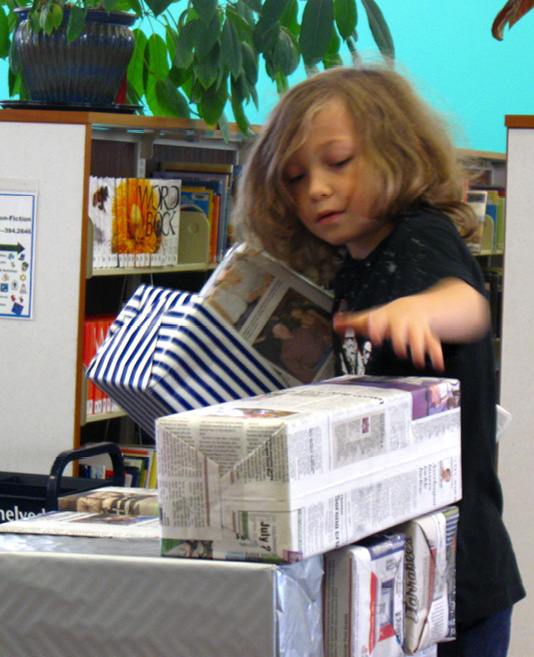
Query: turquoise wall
<point x="448" y="49"/>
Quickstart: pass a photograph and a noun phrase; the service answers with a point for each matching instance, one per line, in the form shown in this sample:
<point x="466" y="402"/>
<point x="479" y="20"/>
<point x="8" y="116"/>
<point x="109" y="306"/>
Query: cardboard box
<point x="65" y="596"/>
<point x="364" y="598"/>
<point x="430" y="579"/>
<point x="305" y="470"/>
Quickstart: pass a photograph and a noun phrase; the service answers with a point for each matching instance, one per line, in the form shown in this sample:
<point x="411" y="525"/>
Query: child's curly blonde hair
<point x="405" y="142"/>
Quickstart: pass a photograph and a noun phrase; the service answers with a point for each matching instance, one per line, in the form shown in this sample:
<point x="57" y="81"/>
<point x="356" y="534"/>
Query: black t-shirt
<point x="424" y="248"/>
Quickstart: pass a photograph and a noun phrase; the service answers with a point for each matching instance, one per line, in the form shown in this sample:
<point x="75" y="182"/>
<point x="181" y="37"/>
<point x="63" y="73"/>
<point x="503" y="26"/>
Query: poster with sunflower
<point x="145" y="221"/>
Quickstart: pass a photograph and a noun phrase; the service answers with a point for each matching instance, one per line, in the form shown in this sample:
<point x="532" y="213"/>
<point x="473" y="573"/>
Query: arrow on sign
<point x="18" y="248"/>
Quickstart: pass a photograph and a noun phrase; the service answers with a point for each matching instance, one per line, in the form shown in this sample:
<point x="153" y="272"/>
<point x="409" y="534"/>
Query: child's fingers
<point x="435" y="351"/>
<point x="359" y="322"/>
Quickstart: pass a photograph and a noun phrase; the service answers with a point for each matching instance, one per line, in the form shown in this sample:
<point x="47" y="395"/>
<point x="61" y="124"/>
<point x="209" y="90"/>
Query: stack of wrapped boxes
<point x="265" y="459"/>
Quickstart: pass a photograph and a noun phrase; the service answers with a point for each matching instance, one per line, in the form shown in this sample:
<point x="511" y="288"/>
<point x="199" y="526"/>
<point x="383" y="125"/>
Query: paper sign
<point x="17" y="230"/>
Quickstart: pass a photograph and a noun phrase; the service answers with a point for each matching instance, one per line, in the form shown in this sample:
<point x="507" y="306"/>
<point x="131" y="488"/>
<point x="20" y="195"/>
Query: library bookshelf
<point x="42" y="389"/>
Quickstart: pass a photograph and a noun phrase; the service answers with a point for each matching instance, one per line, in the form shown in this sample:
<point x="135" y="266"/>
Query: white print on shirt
<point x="356" y="353"/>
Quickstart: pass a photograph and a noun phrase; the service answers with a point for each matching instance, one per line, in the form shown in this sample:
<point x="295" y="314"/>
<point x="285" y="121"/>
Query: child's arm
<point x="450" y="311"/>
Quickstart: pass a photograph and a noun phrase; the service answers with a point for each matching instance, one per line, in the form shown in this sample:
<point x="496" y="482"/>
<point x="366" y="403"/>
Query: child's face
<point x="333" y="186"/>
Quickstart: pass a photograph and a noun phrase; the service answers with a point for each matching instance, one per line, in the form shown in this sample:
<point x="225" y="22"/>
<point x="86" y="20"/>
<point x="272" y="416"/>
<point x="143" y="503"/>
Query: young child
<point x="355" y="182"/>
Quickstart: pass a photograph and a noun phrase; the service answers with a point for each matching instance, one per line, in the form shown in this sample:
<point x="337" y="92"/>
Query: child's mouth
<point x="328" y="216"/>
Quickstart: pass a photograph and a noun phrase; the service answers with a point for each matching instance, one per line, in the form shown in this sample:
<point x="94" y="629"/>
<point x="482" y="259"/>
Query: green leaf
<point x="244" y="30"/>
<point x="205" y="9"/>
<point x="14" y="62"/>
<point x="282" y="84"/>
<point x="137" y="62"/>
<point x="132" y="97"/>
<point x="332" y="57"/>
<point x="240" y="89"/>
<point x="205" y="38"/>
<point x="76" y="22"/>
<point x="265" y="40"/>
<point x="152" y="98"/>
<point x="4" y="34"/>
<point x="212" y="103"/>
<point x="239" y="114"/>
<point x="14" y="82"/>
<point x="35" y="21"/>
<point x="133" y="5"/>
<point x="158" y="6"/>
<point x="156" y="57"/>
<point x="255" y="5"/>
<point x="271" y="12"/>
<point x="109" y="5"/>
<point x="51" y="18"/>
<point x="250" y="63"/>
<point x="285" y="56"/>
<point x="179" y="76"/>
<point x="185" y="44"/>
<point x="346" y="16"/>
<point x="232" y="55"/>
<point x="379" y="29"/>
<point x="171" y="39"/>
<point x="316" y="30"/>
<point x="290" y="17"/>
<point x="170" y="100"/>
<point x="206" y="69"/>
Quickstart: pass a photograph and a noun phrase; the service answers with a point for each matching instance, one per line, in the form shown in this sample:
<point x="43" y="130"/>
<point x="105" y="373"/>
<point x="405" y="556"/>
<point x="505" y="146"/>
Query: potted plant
<point x="195" y="58"/>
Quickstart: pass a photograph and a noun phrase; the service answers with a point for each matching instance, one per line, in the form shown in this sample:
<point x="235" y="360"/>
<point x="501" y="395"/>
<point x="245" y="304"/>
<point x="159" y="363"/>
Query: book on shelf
<point x="218" y="179"/>
<point x="139" y="464"/>
<point x="477" y="199"/>
<point x="136" y="221"/>
<point x="95" y="331"/>
<point x="101" y="194"/>
<point x="140" y="460"/>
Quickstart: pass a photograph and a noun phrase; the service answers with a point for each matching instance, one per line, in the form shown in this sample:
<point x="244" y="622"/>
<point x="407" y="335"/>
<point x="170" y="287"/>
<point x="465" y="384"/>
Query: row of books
<point x="207" y="187"/>
<point x="489" y="206"/>
<point x="95" y="331"/>
<point x="136" y="221"/>
<point x="139" y="465"/>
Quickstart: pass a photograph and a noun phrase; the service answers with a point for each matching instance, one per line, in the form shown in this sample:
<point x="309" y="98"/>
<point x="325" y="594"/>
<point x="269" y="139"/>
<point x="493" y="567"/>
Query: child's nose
<point x="319" y="186"/>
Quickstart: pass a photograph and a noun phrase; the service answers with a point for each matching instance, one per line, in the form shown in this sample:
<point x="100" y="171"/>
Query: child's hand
<point x="405" y="323"/>
<point x="450" y="311"/>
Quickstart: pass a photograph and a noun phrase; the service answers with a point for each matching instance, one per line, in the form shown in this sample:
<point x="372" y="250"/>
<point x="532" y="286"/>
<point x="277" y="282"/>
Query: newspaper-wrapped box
<point x="66" y="596"/>
<point x="282" y="315"/>
<point x="430" y="579"/>
<point x="256" y="327"/>
<point x="364" y="598"/>
<point x="308" y="469"/>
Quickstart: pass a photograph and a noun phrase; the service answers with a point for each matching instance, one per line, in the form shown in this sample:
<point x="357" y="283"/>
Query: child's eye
<point x="341" y="163"/>
<point x="295" y="178"/>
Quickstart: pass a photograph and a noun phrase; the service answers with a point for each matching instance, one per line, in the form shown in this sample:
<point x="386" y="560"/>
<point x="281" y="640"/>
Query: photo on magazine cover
<point x="297" y="338"/>
<point x="237" y="290"/>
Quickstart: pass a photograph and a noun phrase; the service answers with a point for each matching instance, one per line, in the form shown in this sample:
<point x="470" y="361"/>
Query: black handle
<point x="64" y="458"/>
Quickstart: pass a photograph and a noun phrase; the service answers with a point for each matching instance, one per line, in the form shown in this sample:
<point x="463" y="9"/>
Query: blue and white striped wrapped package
<point x="167" y="352"/>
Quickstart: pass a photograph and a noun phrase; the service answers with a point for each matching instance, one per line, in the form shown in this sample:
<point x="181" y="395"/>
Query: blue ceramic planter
<point x="88" y="70"/>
